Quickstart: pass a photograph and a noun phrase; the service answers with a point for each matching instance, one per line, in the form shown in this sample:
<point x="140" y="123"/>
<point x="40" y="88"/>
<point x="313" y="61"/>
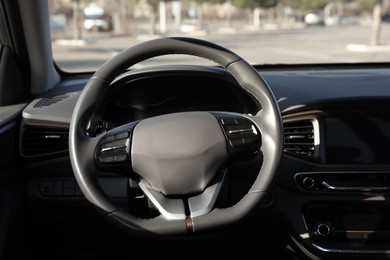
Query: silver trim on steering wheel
<point x="175" y="208"/>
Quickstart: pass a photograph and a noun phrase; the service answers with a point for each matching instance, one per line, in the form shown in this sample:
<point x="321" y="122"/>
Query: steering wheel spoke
<point x="186" y="207"/>
<point x="204" y="203"/>
<point x="168" y="207"/>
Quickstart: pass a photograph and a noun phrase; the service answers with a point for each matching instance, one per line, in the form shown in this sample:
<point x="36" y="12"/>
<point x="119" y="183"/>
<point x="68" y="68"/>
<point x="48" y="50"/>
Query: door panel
<point x="11" y="181"/>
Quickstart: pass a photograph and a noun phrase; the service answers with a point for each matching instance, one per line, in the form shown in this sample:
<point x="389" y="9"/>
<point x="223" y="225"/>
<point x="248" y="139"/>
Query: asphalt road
<point x="342" y="44"/>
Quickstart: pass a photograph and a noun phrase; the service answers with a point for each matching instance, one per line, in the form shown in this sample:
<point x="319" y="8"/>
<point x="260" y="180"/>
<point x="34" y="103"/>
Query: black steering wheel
<point x="177" y="159"/>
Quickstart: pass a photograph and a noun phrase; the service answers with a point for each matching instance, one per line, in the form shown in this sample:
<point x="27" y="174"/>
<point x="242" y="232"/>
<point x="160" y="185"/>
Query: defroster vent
<point x="48" y="101"/>
<point x="299" y="138"/>
<point x="41" y="141"/>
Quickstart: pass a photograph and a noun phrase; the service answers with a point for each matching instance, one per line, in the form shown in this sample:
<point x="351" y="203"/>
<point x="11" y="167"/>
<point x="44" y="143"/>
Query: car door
<point x="14" y="89"/>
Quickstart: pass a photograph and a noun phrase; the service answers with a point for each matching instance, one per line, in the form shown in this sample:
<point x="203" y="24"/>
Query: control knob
<point x="323" y="229"/>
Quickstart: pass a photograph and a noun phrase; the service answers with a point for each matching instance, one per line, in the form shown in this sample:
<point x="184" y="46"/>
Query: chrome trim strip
<point x="351" y="251"/>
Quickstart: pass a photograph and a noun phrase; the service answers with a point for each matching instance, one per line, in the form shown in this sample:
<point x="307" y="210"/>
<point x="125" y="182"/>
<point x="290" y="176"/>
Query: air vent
<point x="40" y="141"/>
<point x="299" y="138"/>
<point x="48" y="101"/>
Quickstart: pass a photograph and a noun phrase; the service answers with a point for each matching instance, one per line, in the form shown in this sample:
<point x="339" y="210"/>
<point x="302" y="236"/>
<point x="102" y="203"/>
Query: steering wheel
<point x="177" y="159"/>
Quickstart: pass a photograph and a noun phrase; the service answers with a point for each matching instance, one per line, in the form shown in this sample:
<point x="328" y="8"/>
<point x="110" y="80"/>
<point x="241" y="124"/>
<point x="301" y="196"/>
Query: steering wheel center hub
<point x="178" y="153"/>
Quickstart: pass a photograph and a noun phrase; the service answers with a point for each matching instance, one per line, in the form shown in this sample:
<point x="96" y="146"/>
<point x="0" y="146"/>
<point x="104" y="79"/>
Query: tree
<point x="375" y="7"/>
<point x="365" y="5"/>
<point x="120" y="11"/>
<point x="199" y="8"/>
<point x="255" y="3"/>
<point x="255" y="6"/>
<point x="306" y="4"/>
<point x="153" y="15"/>
<point x="77" y="20"/>
<point x="376" y="24"/>
<point x="124" y="15"/>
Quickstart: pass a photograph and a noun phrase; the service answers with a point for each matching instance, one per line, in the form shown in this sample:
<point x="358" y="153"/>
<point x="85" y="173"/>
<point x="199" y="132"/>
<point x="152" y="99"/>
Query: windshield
<point x="85" y="34"/>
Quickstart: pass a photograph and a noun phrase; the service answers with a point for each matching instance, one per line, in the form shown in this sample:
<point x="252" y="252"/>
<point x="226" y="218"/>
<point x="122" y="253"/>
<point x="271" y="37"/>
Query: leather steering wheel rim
<point x="268" y="120"/>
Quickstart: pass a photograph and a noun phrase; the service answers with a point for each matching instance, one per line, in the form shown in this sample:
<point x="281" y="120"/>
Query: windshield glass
<point x="85" y="34"/>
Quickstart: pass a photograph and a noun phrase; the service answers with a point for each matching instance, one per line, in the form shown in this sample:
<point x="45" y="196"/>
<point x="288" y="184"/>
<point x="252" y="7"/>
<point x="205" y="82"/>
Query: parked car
<point x="96" y="18"/>
<point x="248" y="142"/>
<point x="314" y="19"/>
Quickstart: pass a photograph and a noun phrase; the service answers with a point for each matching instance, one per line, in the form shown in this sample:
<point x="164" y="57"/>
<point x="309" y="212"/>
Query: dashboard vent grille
<point x="299" y="138"/>
<point x="48" y="101"/>
<point x="40" y="141"/>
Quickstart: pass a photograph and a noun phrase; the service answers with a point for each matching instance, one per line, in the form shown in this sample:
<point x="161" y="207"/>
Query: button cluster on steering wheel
<point x="242" y="135"/>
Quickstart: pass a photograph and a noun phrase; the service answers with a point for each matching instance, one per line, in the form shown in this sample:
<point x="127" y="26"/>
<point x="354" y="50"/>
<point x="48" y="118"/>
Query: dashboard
<point x="335" y="173"/>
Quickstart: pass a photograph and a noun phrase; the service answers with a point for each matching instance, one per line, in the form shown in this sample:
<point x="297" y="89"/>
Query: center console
<point x="345" y="186"/>
<point x="346" y="225"/>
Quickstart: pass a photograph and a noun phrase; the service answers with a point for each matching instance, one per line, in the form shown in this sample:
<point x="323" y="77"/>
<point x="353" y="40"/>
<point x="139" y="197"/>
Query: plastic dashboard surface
<point x="349" y="139"/>
<point x="296" y="89"/>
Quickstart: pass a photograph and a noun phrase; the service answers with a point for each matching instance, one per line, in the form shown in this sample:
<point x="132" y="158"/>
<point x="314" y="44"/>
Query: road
<point x="259" y="46"/>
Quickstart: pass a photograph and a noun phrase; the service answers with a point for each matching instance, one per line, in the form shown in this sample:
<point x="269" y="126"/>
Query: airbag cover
<point x="178" y="154"/>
